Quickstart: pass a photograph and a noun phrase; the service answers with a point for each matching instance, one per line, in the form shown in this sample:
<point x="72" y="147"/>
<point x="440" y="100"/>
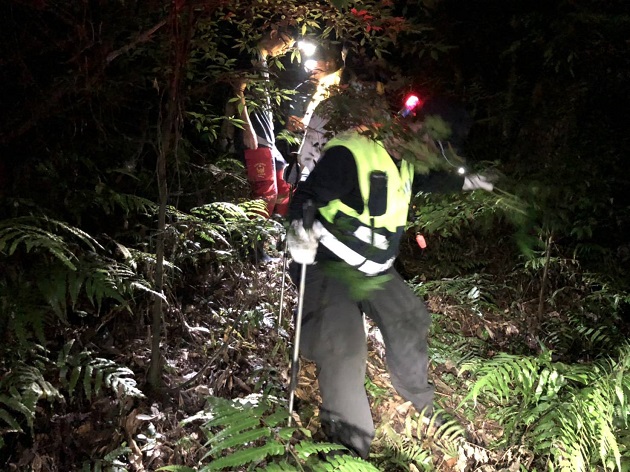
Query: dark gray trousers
<point x="333" y="336"/>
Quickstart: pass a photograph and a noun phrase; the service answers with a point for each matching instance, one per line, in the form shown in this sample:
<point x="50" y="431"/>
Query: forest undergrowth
<point x="139" y="333"/>
<point x="520" y="394"/>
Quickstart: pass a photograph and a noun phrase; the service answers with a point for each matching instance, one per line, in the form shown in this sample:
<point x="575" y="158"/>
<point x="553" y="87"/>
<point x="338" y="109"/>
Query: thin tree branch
<point x="142" y="38"/>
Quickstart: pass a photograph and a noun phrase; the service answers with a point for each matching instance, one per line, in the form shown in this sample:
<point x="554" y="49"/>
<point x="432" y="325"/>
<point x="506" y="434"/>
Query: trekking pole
<point x="307" y="221"/>
<point x="284" y="275"/>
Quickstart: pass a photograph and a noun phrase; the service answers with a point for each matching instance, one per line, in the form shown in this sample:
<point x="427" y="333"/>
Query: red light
<point x="412" y="102"/>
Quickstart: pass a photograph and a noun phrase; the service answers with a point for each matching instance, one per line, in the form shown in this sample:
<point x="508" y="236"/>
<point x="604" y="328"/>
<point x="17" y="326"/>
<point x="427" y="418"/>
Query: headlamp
<point x="308" y="48"/>
<point x="310" y="65"/>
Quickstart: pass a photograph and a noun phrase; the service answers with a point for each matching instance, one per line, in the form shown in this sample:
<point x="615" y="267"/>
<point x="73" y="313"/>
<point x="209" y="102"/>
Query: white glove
<point x="476" y="181"/>
<point x="303" y="243"/>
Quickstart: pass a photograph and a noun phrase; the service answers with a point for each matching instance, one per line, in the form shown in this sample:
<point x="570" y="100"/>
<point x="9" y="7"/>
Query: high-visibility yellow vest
<point x="368" y="242"/>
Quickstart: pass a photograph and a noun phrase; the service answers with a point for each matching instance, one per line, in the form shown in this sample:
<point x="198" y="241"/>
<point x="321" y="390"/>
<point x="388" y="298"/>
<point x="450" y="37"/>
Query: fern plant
<point x="54" y="267"/>
<point x="225" y="231"/>
<point x="250" y="435"/>
<point x="586" y="308"/>
<point x="582" y="336"/>
<point x="94" y="374"/>
<point x="453" y="214"/>
<point x="42" y="234"/>
<point x="20" y="391"/>
<point x="473" y="291"/>
<point x="402" y="449"/>
<point x="38" y="378"/>
<point x="446" y="347"/>
<point x="571" y="415"/>
<point x="111" y="462"/>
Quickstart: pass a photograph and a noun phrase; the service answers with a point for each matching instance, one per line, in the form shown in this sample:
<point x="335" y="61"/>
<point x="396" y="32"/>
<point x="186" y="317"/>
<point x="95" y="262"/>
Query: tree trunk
<point x="545" y="276"/>
<point x="181" y="22"/>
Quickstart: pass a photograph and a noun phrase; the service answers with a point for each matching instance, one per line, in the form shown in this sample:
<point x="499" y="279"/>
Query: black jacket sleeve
<point x="334" y="177"/>
<point x="438" y="182"/>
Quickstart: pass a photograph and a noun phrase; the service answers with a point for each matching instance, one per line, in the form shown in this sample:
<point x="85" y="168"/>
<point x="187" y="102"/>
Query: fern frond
<point x="65" y="265"/>
<point x="221" y="230"/>
<point x="454" y="347"/>
<point x="234" y="421"/>
<point x="26" y="318"/>
<point x="20" y="391"/>
<point x="34" y="239"/>
<point x="177" y="468"/>
<point x="36" y="233"/>
<point x="404" y="449"/>
<point x="109" y="279"/>
<point x="571" y="413"/>
<point x="93" y="373"/>
<point x="250" y="436"/>
<point x="343" y="463"/>
<point x="306" y="449"/>
<point x="282" y="466"/>
<point x="225" y="212"/>
<point x="129" y="203"/>
<point x="237" y="439"/>
<point x="242" y="427"/>
<point x="249" y="455"/>
<point x="11" y="423"/>
<point x="109" y="463"/>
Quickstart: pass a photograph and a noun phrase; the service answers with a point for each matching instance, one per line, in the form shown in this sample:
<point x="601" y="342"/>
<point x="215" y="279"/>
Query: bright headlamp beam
<point x="310" y="65"/>
<point x="307" y="48"/>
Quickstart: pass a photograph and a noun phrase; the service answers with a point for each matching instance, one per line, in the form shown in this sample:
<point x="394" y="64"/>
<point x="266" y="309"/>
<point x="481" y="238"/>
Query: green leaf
<point x="10" y="420"/>
<point x="240" y="439"/>
<point x="246" y="456"/>
<point x="98" y="381"/>
<point x="87" y="381"/>
<point x="177" y="468"/>
<point x="340" y="4"/>
<point x="74" y="379"/>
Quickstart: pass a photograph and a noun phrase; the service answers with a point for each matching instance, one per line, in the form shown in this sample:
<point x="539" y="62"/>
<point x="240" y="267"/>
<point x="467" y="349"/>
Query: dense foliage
<point x="123" y="211"/>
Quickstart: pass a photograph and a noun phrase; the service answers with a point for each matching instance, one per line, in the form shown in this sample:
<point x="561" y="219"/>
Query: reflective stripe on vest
<point x="351" y="257"/>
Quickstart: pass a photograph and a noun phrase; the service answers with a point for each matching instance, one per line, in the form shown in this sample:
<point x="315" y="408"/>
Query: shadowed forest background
<point x="139" y="332"/>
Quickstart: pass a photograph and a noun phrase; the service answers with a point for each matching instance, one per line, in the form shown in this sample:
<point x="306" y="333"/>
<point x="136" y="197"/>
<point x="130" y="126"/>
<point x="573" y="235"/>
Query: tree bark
<point x="170" y="131"/>
<point x="545" y="276"/>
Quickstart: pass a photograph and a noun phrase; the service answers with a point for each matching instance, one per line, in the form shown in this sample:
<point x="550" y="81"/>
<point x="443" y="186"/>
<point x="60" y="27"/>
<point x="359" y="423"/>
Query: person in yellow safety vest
<point x="361" y="189"/>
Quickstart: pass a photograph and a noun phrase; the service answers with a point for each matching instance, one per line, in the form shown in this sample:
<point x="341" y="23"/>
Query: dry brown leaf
<point x="84" y="429"/>
<point x="135" y="456"/>
<point x="404" y="408"/>
<point x="37" y="463"/>
<point x="132" y="422"/>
